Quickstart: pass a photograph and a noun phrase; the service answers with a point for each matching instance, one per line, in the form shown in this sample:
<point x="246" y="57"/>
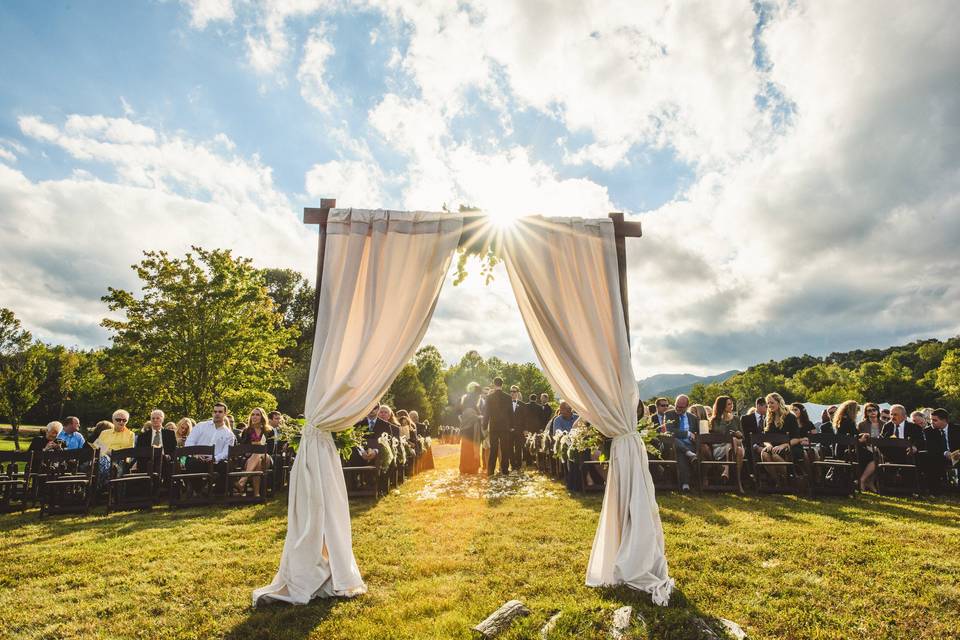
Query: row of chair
<point x="374" y="480"/>
<point x="67" y="481"/>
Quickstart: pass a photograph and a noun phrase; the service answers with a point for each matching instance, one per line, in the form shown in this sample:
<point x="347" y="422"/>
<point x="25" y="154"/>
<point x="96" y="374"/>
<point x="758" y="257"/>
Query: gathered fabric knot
<point x="629" y="434"/>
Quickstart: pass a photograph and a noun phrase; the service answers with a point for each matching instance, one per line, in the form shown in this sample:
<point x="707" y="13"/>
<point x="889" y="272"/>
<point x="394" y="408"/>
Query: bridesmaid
<point x="470" y="430"/>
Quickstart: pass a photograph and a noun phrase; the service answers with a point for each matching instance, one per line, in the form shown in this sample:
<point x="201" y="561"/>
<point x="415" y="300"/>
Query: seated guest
<point x="943" y="449"/>
<point x="103" y="425"/>
<point x="275" y="418"/>
<point x="156" y="436"/>
<point x="257" y="431"/>
<point x="214" y="432"/>
<point x="723" y="421"/>
<point x="845" y="419"/>
<point x="901" y="428"/>
<point x="658" y="418"/>
<point x="752" y="423"/>
<point x="406" y="428"/>
<point x="779" y="419"/>
<point x="869" y="427"/>
<point x="184" y="426"/>
<point x="564" y="420"/>
<point x="884" y="416"/>
<point x="683" y="426"/>
<point x="71" y="436"/>
<point x="826" y="418"/>
<point x="416" y="427"/>
<point x="119" y="437"/>
<point x="47" y="441"/>
<point x="386" y="422"/>
<point x="918" y="418"/>
<point x="805" y="429"/>
<point x="366" y="425"/>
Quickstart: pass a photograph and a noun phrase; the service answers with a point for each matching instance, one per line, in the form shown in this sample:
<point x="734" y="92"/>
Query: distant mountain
<point x="671" y="384"/>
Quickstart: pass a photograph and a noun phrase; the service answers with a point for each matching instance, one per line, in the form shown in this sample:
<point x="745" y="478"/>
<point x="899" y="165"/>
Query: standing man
<point x="683" y="426"/>
<point x="497" y="419"/>
<point x="71" y="436"/>
<point x="546" y="411"/>
<point x="518" y="424"/>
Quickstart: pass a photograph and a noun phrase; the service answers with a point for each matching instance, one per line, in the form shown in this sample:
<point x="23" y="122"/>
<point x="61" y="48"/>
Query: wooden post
<point x="621" y="231"/>
<point x="319" y="216"/>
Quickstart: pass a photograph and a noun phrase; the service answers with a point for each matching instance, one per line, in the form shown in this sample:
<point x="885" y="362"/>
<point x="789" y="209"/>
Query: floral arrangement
<point x="582" y="437"/>
<point x="647" y="434"/>
<point x="385" y="459"/>
<point x="346" y="441"/>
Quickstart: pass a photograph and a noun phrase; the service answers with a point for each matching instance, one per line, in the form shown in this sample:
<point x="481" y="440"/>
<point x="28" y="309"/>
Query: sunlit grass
<point x="782" y="567"/>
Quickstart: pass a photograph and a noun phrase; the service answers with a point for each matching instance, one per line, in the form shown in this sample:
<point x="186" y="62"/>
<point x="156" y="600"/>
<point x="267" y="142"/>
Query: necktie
<point x="156" y="438"/>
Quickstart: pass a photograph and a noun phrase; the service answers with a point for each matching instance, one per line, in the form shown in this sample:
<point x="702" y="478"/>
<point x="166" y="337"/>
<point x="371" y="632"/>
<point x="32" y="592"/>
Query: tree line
<point x="925" y="373"/>
<point x="209" y="326"/>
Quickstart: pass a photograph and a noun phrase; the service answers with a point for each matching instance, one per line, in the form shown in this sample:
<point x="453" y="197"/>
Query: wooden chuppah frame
<point x="472" y="226"/>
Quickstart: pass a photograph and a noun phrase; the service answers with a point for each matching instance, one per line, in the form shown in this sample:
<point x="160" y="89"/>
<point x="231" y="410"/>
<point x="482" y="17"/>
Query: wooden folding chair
<point x="765" y="483"/>
<point x="67" y="480"/>
<point x="15" y="468"/>
<point x="592" y="468"/>
<point x="128" y="489"/>
<point x="237" y="457"/>
<point x="189" y="487"/>
<point x="896" y="466"/>
<point x="835" y="473"/>
<point x="705" y="467"/>
<point x="665" y="471"/>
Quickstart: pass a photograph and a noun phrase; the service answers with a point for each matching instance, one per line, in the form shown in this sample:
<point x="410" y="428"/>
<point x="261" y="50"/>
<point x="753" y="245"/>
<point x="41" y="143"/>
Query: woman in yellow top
<point x="120" y="437"/>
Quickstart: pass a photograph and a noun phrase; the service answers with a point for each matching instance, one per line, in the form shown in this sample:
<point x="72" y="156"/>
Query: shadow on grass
<point x="282" y="620"/>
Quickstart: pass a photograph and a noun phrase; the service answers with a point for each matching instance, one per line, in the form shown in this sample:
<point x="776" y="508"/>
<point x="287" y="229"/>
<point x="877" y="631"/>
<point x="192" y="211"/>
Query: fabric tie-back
<point x="564" y="274"/>
<point x="382" y="275"/>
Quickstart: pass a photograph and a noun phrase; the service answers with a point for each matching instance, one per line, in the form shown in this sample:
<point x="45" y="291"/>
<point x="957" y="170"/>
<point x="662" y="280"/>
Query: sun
<point x="501" y="219"/>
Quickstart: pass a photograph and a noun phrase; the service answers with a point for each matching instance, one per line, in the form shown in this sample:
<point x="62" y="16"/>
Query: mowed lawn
<point x="782" y="567"/>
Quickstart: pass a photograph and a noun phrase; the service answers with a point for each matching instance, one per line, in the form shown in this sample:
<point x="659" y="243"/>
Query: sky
<point x="795" y="165"/>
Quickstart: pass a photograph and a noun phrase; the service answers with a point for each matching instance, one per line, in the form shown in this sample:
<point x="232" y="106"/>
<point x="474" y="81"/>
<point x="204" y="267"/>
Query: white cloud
<point x="203" y="12"/>
<point x="69" y="239"/>
<point x="269" y="44"/>
<point x="312" y="71"/>
<point x="353" y="183"/>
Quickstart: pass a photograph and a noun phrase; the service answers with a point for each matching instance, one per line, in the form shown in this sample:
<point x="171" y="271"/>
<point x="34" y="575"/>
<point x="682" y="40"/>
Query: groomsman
<point x="519" y="422"/>
<point x="497" y="419"/>
<point x="546" y="412"/>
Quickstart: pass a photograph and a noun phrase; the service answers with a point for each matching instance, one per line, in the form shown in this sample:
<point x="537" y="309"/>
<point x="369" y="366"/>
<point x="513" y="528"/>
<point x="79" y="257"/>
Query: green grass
<point x="782" y="567"/>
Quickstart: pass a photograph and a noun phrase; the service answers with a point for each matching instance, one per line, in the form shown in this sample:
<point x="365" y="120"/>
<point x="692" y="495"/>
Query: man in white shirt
<point x="214" y="432"/>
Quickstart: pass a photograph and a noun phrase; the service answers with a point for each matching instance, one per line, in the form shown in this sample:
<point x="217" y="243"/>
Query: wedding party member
<point x="659" y="418"/>
<point x="257" y="431"/>
<point x="779" y="419"/>
<point x="184" y="426"/>
<point x="468" y="411"/>
<point x="869" y="427"/>
<point x="564" y="420"/>
<point x="217" y="433"/>
<point x="519" y="422"/>
<point x="497" y="420"/>
<point x="943" y="450"/>
<point x="683" y="426"/>
<point x="48" y="440"/>
<point x="723" y="421"/>
<point x="71" y="436"/>
<point x="546" y="411"/>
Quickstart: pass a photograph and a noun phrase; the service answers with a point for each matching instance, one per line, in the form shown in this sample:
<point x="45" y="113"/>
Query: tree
<point x="948" y="377"/>
<point x="407" y="391"/>
<point x="430" y="369"/>
<point x="293" y="297"/>
<point x="205" y="329"/>
<point x="22" y="368"/>
<point x="471" y="368"/>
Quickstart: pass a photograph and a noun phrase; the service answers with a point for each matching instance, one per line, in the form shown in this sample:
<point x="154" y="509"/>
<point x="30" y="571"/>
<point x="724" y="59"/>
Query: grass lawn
<point x="782" y="567"/>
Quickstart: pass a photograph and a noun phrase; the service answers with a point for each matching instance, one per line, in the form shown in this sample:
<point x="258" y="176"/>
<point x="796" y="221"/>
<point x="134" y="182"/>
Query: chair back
<point x="715" y="438"/>
<point x="181" y="454"/>
<point x="11" y="461"/>
<point x="143" y="455"/>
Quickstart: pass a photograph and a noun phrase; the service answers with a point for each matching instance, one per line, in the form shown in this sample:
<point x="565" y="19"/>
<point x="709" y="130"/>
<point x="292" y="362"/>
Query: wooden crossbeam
<point x="473" y="229"/>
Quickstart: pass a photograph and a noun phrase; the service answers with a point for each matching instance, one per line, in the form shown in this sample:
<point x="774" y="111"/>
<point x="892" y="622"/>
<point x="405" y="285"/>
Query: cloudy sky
<point x="796" y="165"/>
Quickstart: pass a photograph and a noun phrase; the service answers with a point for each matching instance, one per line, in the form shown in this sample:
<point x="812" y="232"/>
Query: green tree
<point x="948" y="377"/>
<point x="22" y="369"/>
<point x="293" y="298"/>
<point x="430" y="370"/>
<point x="755" y="382"/>
<point x="824" y="384"/>
<point x="204" y="329"/>
<point x="471" y="368"/>
<point x="407" y="391"/>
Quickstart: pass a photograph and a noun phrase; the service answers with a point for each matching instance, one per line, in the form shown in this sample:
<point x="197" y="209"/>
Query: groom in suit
<point x="497" y="419"/>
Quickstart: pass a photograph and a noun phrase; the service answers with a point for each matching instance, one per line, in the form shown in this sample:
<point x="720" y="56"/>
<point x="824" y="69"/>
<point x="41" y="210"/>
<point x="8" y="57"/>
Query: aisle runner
<point x="448" y="483"/>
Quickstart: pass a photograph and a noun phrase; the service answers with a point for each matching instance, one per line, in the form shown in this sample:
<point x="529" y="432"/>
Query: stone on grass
<point x="621" y="622"/>
<point x="499" y="620"/>
<point x="734" y="629"/>
<point x="551" y="624"/>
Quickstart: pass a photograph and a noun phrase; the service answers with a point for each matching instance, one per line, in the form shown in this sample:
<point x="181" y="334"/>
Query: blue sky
<point x="761" y="145"/>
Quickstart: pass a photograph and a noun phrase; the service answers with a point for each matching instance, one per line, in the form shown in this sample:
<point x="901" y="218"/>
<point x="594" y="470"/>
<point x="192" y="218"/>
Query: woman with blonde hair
<point x="183" y="429"/>
<point x="257" y="431"/>
<point x="780" y="419"/>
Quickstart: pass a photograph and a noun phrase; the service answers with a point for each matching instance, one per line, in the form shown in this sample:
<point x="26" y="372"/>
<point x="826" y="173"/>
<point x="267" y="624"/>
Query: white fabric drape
<point x="564" y="275"/>
<point x="382" y="275"/>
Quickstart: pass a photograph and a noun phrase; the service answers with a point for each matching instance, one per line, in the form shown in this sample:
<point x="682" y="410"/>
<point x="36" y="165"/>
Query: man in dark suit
<point x="498" y="419"/>
<point x="546" y="412"/>
<point x="362" y="456"/>
<point x="752" y="423"/>
<point x="901" y="428"/>
<point x="659" y="417"/>
<point x="683" y="426"/>
<point x="943" y="449"/>
<point x="519" y="423"/>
